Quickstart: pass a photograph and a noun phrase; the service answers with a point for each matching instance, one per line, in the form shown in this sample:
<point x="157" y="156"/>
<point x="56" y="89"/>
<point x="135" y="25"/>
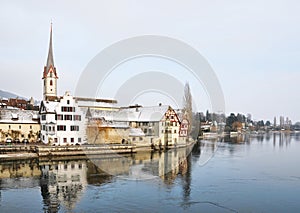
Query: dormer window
<point x="14" y="116"/>
<point x="51" y="82"/>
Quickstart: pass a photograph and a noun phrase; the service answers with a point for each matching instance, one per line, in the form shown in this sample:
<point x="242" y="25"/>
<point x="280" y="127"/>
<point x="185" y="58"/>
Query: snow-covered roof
<point x="50" y="106"/>
<point x="18" y="116"/>
<point x="95" y="104"/>
<point x="136" y="132"/>
<point x="140" y="114"/>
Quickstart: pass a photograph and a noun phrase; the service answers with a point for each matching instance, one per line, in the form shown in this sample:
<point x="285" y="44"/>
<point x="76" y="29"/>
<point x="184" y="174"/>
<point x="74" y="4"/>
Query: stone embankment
<point x="23" y="152"/>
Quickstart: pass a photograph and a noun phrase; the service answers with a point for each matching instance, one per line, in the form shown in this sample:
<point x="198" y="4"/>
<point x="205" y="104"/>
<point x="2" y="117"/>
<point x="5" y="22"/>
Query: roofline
<point x="96" y="100"/>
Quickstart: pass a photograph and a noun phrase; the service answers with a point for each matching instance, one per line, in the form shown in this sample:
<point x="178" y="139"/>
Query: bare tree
<point x="187" y="105"/>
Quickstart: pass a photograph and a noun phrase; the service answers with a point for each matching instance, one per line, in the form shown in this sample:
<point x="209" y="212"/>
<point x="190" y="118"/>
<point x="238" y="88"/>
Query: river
<point x="251" y="173"/>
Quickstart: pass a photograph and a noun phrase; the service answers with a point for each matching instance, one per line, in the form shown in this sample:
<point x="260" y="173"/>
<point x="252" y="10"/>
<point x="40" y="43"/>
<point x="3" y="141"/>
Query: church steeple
<point x="49" y="74"/>
<point x="50" y="60"/>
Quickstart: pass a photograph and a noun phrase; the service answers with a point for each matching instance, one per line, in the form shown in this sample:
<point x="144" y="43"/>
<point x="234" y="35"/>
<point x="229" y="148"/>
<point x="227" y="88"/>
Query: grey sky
<point x="253" y="46"/>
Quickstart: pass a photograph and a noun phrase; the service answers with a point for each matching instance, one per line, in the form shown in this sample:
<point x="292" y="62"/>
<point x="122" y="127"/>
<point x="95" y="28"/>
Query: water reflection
<point x="63" y="182"/>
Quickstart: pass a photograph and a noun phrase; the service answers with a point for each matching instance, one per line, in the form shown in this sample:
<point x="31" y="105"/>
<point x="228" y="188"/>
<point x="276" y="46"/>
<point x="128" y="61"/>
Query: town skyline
<point x="77" y="39"/>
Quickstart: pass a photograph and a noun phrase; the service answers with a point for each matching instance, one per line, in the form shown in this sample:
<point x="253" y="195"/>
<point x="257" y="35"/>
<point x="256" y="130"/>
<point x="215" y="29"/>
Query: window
<point x="72" y="140"/>
<point x="61" y="128"/>
<point x="133" y="139"/>
<point x="59" y="117"/>
<point x="65" y="140"/>
<point x="43" y="117"/>
<point x="55" y="140"/>
<point x="77" y="117"/>
<point x="72" y="166"/>
<point x="68" y="117"/>
<point x="19" y="126"/>
<point x="68" y="102"/>
<point x="30" y="127"/>
<point x="67" y="109"/>
<point x="80" y="166"/>
<point x="141" y="138"/>
<point x="74" y="128"/>
<point x="22" y="136"/>
<point x="51" y="83"/>
<point x="145" y="131"/>
<point x="66" y="166"/>
<point x="174" y="130"/>
<point x="79" y="140"/>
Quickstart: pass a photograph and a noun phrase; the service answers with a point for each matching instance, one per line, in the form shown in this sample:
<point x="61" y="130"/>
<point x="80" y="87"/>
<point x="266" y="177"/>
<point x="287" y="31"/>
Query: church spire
<point x="49" y="74"/>
<point x="50" y="60"/>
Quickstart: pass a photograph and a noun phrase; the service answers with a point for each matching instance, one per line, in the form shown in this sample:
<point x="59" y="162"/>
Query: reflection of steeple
<point x="50" y="200"/>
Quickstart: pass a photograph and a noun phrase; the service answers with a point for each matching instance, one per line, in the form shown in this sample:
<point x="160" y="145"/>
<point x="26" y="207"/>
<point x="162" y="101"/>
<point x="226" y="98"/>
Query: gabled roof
<point x="48" y="106"/>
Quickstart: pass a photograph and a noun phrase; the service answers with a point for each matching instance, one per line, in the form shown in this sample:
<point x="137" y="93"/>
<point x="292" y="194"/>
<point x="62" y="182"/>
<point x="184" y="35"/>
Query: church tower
<point x="49" y="75"/>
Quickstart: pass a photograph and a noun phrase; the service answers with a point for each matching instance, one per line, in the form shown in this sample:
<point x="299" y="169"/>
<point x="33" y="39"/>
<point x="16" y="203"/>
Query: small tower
<point x="49" y="75"/>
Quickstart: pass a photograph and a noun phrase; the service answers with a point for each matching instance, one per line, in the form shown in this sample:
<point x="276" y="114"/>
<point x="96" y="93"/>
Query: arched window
<point x="51" y="83"/>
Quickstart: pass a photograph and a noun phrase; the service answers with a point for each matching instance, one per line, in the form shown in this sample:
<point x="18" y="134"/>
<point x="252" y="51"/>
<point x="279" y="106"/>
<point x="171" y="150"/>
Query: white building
<point x="62" y="121"/>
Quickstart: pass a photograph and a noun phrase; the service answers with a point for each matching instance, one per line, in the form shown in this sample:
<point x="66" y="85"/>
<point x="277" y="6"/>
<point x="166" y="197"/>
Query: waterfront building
<point x="160" y="124"/>
<point x="64" y="118"/>
<point x="62" y="121"/>
<point x="75" y="120"/>
<point x="17" y="125"/>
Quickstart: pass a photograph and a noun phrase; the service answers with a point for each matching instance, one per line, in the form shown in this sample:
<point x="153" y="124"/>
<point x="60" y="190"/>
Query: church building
<point x="62" y="121"/>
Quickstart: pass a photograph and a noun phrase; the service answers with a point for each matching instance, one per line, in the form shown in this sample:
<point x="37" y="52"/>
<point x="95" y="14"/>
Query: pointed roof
<point x="50" y="60"/>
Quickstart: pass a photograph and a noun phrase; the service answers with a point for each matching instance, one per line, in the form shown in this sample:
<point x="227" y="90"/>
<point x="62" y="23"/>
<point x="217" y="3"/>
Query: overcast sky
<point x="253" y="46"/>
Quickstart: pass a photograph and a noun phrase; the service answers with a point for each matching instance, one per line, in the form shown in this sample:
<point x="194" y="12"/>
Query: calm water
<point x="258" y="173"/>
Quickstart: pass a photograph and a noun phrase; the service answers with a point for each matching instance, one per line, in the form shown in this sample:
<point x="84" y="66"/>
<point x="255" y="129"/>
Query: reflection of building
<point x="18" y="169"/>
<point x="63" y="183"/>
<point x="19" y="124"/>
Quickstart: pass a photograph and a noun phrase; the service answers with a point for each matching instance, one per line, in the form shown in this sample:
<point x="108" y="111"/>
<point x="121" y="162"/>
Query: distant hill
<point x="5" y="94"/>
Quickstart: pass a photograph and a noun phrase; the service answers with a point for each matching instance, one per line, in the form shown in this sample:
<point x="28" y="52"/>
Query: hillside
<point x="5" y="94"/>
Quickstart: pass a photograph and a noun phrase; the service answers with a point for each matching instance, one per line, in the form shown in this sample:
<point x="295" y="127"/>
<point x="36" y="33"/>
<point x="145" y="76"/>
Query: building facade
<point x="16" y="124"/>
<point x="62" y="122"/>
